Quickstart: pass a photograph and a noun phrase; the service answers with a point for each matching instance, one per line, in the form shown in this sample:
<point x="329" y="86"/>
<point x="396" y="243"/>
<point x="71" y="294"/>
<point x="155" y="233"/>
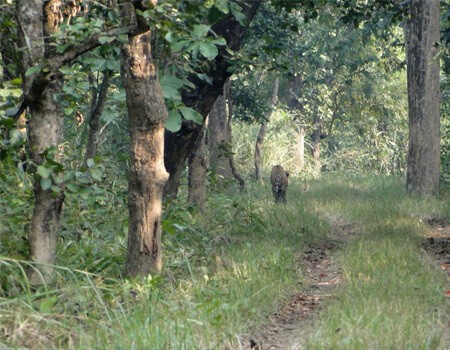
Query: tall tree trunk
<point x="147" y="114"/>
<point x="423" y="34"/>
<point x="98" y="103"/>
<point x="219" y="140"/>
<point x="315" y="138"/>
<point x="301" y="147"/>
<point x="262" y="131"/>
<point x="232" y="164"/>
<point x="45" y="134"/>
<point x="197" y="172"/>
<point x="178" y="145"/>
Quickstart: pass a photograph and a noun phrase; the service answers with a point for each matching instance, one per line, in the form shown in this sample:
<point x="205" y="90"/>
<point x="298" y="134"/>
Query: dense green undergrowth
<point x="227" y="268"/>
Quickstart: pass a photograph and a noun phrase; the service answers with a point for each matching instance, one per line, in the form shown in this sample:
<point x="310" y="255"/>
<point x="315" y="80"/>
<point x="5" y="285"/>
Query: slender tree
<point x="97" y="105"/>
<point x="262" y="131"/>
<point x="198" y="166"/>
<point x="423" y="35"/>
<point x="219" y="139"/>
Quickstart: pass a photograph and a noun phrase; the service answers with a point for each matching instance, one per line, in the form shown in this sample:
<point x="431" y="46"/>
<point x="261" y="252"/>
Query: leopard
<point x="280" y="181"/>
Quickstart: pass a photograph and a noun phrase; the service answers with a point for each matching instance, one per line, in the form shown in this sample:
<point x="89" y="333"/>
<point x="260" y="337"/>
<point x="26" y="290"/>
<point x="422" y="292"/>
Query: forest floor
<point x="290" y="327"/>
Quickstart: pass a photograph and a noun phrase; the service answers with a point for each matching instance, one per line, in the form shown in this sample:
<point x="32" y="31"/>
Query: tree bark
<point x="197" y="172"/>
<point x="178" y="145"/>
<point x="231" y="162"/>
<point x="423" y="34"/>
<point x="98" y="103"/>
<point x="147" y="114"/>
<point x="315" y="138"/>
<point x="301" y="147"/>
<point x="45" y="133"/>
<point x="219" y="140"/>
<point x="262" y="131"/>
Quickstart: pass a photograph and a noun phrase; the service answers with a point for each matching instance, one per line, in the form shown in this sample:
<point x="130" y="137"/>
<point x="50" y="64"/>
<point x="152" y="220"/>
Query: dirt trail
<point x="289" y="328"/>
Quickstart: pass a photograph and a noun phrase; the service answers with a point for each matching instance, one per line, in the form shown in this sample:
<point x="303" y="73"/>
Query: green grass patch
<point x="226" y="269"/>
<point x="392" y="296"/>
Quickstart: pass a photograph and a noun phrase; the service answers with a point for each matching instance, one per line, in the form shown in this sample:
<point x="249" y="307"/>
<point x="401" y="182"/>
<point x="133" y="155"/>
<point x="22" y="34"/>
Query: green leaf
<point x="90" y="163"/>
<point x="83" y="179"/>
<point x="72" y="188"/>
<point x="58" y="178"/>
<point x="173" y="122"/>
<point x="9" y="123"/>
<point x="200" y="31"/>
<point x="170" y="92"/>
<point x="55" y="189"/>
<point x="43" y="171"/>
<point x="32" y="70"/>
<point x="97" y="174"/>
<point x="61" y="48"/>
<point x="222" y="6"/>
<point x="170" y="85"/>
<point x="46" y="305"/>
<point x="46" y="183"/>
<point x="219" y="41"/>
<point x="106" y="39"/>
<point x="236" y="10"/>
<point x="208" y="49"/>
<point x="69" y="175"/>
<point x="191" y="114"/>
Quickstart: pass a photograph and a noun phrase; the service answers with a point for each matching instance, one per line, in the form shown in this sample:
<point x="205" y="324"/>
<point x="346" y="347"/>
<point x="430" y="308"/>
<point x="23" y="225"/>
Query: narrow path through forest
<point x="289" y="328"/>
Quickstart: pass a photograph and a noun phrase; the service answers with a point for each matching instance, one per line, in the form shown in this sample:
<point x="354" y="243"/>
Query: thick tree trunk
<point x="423" y="34"/>
<point x="178" y="145"/>
<point x="45" y="133"/>
<point x="147" y="176"/>
<point x="262" y="131"/>
<point x="98" y="103"/>
<point x="219" y="140"/>
<point x="197" y="172"/>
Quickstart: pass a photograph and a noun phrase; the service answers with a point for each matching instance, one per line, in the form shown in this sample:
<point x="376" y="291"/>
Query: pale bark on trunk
<point x="147" y="114"/>
<point x="315" y="138"/>
<point x="98" y="103"/>
<point x="258" y="150"/>
<point x="423" y="35"/>
<point x="219" y="140"/>
<point x="238" y="177"/>
<point x="262" y="131"/>
<point x="45" y="133"/>
<point x="301" y="147"/>
<point x="198" y="167"/>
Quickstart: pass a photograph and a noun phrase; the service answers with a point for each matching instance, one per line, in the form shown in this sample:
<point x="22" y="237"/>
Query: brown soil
<point x="289" y="327"/>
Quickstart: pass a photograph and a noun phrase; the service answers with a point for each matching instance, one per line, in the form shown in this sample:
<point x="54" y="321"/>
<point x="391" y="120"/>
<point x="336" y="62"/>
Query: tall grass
<point x="226" y="269"/>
